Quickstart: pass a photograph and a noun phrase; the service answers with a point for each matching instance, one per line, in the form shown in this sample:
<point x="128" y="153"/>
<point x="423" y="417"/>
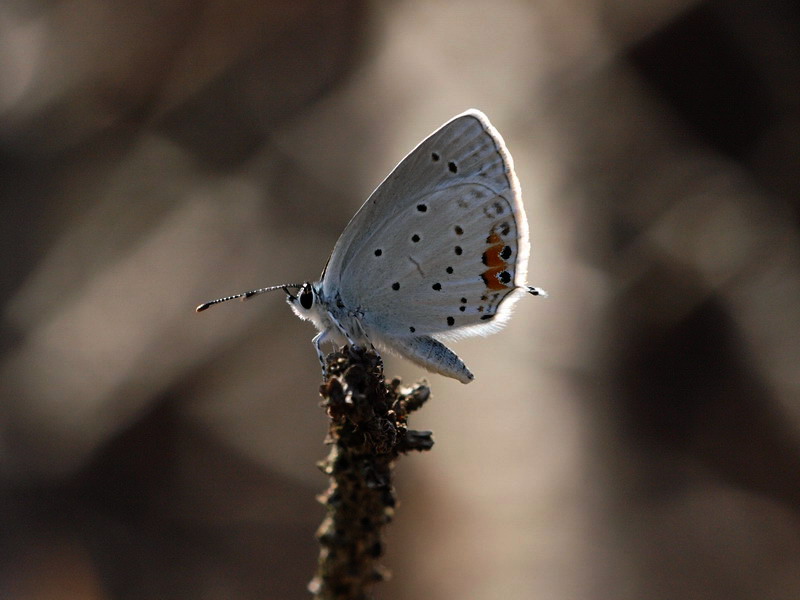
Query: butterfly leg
<point x="354" y="341"/>
<point x="321" y="337"/>
<point x="434" y="356"/>
<point x="362" y="332"/>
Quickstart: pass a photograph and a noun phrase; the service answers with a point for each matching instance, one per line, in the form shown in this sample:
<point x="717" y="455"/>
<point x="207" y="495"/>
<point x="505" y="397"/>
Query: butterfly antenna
<point x="536" y="291"/>
<point x="250" y="294"/>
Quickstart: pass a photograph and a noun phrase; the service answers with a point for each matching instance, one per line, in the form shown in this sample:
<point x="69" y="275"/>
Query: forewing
<point x="442" y="244"/>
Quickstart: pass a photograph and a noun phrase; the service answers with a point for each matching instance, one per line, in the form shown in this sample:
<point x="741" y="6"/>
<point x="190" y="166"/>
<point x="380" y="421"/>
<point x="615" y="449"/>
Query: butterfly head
<point x="306" y="304"/>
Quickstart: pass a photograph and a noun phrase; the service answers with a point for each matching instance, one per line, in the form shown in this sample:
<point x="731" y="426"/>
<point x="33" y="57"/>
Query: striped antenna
<point x="250" y="294"/>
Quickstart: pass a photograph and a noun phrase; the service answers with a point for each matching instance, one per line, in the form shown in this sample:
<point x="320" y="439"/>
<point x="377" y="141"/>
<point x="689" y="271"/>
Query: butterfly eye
<point x="306" y="297"/>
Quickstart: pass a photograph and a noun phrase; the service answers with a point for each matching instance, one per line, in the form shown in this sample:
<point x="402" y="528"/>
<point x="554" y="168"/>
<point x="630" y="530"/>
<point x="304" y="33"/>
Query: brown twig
<point x="367" y="433"/>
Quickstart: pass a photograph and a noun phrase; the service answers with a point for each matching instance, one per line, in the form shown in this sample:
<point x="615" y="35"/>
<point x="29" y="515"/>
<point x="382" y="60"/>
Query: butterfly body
<point x="339" y="324"/>
<point x="438" y="251"/>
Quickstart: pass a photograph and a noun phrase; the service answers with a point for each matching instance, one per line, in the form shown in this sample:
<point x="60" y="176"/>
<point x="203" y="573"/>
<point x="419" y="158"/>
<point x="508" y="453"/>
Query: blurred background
<point x="635" y="436"/>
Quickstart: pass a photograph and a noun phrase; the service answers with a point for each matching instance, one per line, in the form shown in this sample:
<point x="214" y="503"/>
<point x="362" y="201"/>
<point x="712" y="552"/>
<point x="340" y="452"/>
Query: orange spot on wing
<point x="491" y="280"/>
<point x="492" y="258"/>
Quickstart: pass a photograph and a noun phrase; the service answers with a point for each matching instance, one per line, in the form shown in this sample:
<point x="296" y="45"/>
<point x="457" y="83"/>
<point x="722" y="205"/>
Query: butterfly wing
<point x="441" y="246"/>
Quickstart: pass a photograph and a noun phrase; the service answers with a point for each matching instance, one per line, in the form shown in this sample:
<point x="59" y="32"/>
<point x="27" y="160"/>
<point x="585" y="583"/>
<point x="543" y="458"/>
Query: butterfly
<point x="438" y="251"/>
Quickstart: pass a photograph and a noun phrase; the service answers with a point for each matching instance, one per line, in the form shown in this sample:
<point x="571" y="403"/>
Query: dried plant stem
<point x="367" y="433"/>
